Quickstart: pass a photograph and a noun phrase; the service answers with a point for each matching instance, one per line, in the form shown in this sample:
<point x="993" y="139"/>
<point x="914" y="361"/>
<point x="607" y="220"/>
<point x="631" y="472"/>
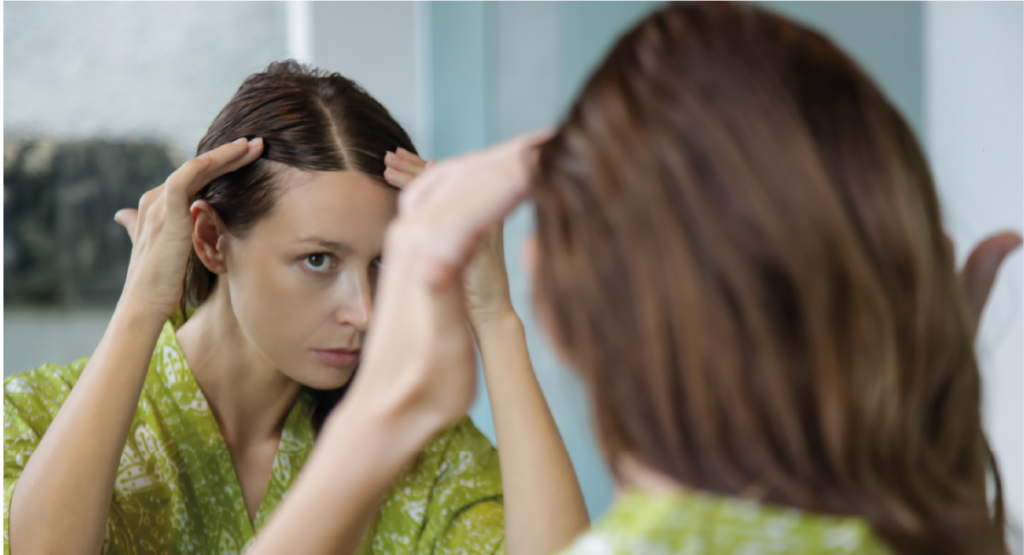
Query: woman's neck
<point x="634" y="474"/>
<point x="248" y="396"/>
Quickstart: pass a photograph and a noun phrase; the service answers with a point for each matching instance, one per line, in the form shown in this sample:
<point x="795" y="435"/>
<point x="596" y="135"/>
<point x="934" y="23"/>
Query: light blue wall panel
<point x="462" y="44"/>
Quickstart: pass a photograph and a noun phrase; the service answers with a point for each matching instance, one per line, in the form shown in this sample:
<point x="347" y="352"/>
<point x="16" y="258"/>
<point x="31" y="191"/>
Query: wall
<point x="34" y="337"/>
<point x="974" y="108"/>
<point x="141" y="69"/>
<point x="375" y="44"/>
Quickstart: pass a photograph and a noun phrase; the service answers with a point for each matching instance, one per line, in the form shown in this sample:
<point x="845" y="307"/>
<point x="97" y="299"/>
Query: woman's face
<point x="301" y="282"/>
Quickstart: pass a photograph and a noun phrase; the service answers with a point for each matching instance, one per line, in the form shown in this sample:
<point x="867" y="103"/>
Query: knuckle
<point x="188" y="168"/>
<point x="146" y="199"/>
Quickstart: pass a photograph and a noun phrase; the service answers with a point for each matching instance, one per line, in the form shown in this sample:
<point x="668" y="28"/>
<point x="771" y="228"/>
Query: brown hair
<point x="308" y="119"/>
<point x="741" y="249"/>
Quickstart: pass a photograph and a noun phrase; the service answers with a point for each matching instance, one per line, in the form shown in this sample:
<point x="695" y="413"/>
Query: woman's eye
<point x="378" y="262"/>
<point x="318" y="262"/>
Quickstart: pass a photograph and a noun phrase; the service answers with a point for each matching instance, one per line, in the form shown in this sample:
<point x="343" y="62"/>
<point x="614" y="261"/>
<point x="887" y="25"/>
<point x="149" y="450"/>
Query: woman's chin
<point x="325" y="377"/>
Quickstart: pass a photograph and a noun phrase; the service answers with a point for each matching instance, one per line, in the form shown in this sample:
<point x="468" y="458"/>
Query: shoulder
<point x="459" y="466"/>
<point x="462" y="440"/>
<point x="461" y="456"/>
<point x="36" y="395"/>
<point x="710" y="523"/>
<point x="449" y="499"/>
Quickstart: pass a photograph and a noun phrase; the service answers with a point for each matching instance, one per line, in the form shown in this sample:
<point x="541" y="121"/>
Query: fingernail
<point x="256" y="142"/>
<point x="240" y="141"/>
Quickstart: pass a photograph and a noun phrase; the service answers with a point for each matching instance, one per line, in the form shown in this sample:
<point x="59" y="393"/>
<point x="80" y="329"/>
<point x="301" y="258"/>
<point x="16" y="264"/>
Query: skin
<point x="441" y="224"/>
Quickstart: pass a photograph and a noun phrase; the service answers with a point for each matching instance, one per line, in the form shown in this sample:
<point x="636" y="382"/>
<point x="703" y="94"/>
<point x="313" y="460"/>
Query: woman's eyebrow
<point x="328" y="245"/>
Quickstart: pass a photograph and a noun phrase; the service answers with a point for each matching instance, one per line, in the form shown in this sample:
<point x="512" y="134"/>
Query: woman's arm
<point x="402" y="397"/>
<point x="544" y="506"/>
<point x="61" y="500"/>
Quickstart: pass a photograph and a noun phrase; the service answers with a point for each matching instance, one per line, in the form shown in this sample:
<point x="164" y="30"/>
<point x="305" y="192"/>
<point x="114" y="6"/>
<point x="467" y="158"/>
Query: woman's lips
<point x="338" y="357"/>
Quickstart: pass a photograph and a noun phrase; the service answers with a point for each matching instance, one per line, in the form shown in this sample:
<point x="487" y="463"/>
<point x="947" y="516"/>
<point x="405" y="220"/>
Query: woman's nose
<point x="356" y="303"/>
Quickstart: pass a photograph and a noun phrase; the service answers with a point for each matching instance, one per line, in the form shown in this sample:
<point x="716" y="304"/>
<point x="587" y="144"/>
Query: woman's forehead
<point x="345" y="207"/>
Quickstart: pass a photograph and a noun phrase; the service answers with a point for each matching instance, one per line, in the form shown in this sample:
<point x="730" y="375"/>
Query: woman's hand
<point x="161" y="229"/>
<point x="419" y="355"/>
<point x="544" y="505"/>
<point x="979" y="272"/>
<point x="64" y="493"/>
<point x="487" y="295"/>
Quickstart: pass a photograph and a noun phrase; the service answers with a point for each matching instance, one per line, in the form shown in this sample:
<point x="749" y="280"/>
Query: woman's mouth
<point x="338" y="357"/>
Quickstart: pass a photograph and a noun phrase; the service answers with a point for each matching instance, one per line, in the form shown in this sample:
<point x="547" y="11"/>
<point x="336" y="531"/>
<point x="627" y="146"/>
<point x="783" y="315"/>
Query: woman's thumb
<point x="129" y="218"/>
<point x="979" y="272"/>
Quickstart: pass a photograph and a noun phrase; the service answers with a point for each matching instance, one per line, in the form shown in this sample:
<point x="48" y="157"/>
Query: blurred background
<point x="103" y="100"/>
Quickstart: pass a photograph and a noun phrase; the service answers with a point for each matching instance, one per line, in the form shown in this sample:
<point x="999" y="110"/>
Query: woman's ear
<point x="208" y="234"/>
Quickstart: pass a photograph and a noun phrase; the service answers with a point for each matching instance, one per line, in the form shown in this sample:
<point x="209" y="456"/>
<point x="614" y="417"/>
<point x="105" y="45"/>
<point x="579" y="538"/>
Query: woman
<point x="183" y="436"/>
<point x="739" y="248"/>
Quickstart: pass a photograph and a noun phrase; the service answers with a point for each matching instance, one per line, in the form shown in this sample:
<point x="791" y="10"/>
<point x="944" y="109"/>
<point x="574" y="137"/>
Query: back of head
<point x="742" y="252"/>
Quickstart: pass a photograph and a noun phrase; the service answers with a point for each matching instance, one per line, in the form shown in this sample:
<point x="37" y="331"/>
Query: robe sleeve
<point x="20" y="440"/>
<point x="31" y="401"/>
<point x="478" y="529"/>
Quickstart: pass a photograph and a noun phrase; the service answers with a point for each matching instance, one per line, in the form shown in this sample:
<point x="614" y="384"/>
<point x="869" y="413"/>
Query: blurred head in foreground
<point x="740" y="249"/>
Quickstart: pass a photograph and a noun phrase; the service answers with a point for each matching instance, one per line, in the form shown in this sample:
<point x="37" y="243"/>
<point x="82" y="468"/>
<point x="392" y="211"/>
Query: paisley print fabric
<point x="700" y="524"/>
<point x="176" y="489"/>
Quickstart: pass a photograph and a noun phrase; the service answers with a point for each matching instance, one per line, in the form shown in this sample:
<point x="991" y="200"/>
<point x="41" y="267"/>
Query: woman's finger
<point x="398" y="178"/>
<point x="430" y="179"/>
<point x="198" y="172"/>
<point x="408" y="163"/>
<point x="128" y="217"/>
<point x="509" y="162"/>
<point x="454" y="203"/>
<point x="982" y="266"/>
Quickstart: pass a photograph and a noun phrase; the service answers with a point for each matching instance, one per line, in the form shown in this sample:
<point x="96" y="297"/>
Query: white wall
<point x="974" y="120"/>
<point x="159" y="70"/>
<point x="380" y="46"/>
<point x="33" y="337"/>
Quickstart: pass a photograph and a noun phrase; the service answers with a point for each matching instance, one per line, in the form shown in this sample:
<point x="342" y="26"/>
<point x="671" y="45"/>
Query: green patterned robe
<point x="176" y="489"/>
<point x="691" y="523"/>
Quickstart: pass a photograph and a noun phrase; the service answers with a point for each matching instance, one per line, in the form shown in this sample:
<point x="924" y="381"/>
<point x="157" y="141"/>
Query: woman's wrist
<point x="494" y="323"/>
<point x="389" y="433"/>
<point x="137" y="316"/>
